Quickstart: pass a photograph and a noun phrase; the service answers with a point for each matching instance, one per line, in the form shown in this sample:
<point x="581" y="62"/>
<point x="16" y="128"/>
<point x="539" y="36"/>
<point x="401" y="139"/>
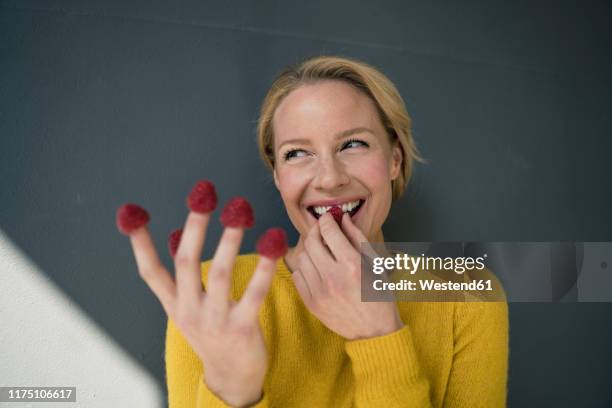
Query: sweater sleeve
<point x="387" y="373"/>
<point x="185" y="378"/>
<point x="478" y="376"/>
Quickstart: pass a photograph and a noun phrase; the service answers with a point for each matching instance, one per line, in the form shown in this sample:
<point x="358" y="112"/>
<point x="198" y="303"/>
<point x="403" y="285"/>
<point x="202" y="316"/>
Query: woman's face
<point x="331" y="149"/>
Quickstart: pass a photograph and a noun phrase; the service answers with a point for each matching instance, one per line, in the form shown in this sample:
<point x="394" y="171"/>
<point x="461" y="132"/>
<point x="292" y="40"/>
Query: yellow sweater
<point x="447" y="355"/>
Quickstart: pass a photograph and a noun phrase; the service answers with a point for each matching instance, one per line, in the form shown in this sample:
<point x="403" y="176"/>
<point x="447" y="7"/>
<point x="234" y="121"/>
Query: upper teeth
<point x="346" y="207"/>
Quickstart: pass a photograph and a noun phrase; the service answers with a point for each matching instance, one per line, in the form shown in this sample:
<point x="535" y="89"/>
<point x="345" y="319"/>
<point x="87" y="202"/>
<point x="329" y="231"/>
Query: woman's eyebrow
<point x="340" y="135"/>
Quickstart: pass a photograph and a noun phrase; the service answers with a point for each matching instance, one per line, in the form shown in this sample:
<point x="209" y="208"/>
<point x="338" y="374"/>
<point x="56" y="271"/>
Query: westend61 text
<point x="430" y="284"/>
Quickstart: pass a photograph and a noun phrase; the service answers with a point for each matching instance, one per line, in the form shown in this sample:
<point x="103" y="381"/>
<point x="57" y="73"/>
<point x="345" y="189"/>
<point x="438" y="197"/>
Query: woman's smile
<point x="350" y="206"/>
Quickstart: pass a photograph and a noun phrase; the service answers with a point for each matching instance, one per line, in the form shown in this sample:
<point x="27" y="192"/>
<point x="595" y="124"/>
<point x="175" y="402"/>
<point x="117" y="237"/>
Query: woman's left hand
<point x="329" y="281"/>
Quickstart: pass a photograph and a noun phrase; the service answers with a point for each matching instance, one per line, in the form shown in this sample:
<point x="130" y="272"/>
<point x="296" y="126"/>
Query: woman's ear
<point x="397" y="158"/>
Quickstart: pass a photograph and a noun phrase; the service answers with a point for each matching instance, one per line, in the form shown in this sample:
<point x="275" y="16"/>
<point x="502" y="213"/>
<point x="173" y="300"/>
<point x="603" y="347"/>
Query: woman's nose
<point x="330" y="175"/>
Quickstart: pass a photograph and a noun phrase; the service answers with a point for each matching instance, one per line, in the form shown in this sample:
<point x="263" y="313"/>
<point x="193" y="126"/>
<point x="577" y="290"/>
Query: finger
<point x="357" y="238"/>
<point x="220" y="273"/>
<point x="321" y="257"/>
<point x="337" y="242"/>
<point x="187" y="260"/>
<point x="311" y="275"/>
<point x="256" y="291"/>
<point x="152" y="271"/>
<point x="302" y="287"/>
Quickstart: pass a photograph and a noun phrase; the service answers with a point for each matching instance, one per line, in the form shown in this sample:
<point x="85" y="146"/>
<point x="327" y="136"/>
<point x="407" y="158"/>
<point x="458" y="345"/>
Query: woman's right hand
<point x="225" y="334"/>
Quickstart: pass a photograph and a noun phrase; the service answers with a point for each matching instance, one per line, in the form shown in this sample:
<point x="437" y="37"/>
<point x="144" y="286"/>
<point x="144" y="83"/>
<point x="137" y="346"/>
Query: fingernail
<point x="345" y="215"/>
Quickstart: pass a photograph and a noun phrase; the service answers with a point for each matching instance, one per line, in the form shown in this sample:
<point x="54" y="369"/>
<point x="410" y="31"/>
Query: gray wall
<point x="103" y="103"/>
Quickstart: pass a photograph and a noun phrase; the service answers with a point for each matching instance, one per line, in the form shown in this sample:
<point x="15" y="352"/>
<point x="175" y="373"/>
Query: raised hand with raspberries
<point x="225" y="334"/>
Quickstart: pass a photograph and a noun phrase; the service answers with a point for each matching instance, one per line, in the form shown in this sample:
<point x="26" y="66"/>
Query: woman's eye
<point x="354" y="143"/>
<point x="293" y="153"/>
<point x="301" y="153"/>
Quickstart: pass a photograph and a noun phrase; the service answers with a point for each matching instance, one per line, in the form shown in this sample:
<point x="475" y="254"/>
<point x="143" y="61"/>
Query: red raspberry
<point x="130" y="217"/>
<point x="336" y="212"/>
<point x="174" y="239"/>
<point x="238" y="213"/>
<point x="203" y="197"/>
<point x="273" y="243"/>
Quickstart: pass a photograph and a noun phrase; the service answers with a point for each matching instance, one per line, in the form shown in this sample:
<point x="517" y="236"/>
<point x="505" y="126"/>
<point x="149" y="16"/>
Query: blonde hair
<point x="386" y="98"/>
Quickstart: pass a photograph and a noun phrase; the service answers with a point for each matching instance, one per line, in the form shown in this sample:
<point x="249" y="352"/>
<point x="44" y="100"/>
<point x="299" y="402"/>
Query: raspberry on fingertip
<point x="238" y="213"/>
<point x="203" y="197"/>
<point x="337" y="213"/>
<point x="130" y="217"/>
<point x="273" y="243"/>
<point x="174" y="239"/>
